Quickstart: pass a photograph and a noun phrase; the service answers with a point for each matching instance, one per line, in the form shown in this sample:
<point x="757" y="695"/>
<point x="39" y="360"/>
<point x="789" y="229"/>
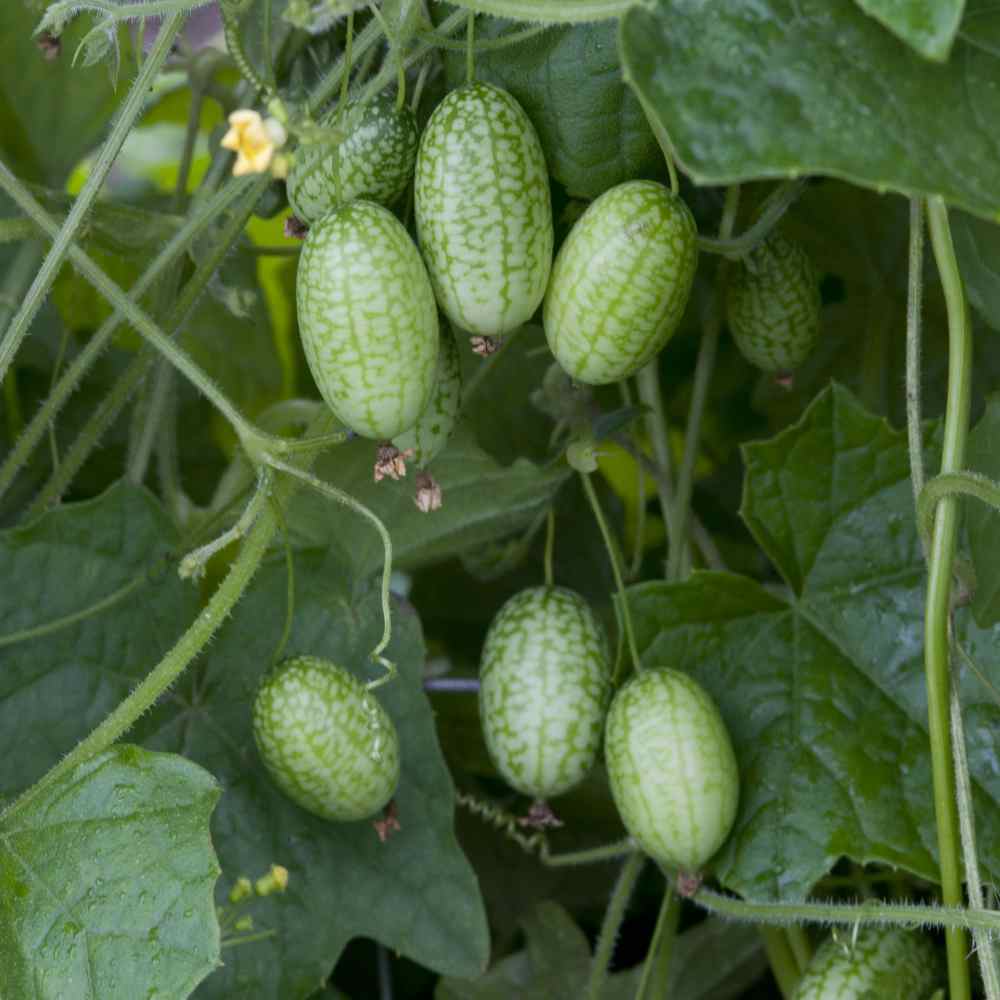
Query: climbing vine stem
<point x="936" y="612"/>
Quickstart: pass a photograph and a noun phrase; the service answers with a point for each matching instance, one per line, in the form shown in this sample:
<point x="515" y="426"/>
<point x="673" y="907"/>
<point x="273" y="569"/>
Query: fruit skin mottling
<point x="884" y="963"/>
<point x="376" y="161"/>
<point x="367" y="319"/>
<point x="428" y="436"/>
<point x="325" y="740"/>
<point x="544" y="689"/>
<point x="773" y="305"/>
<point x="671" y="767"/>
<point x="484" y="215"/>
<point x="621" y="282"/>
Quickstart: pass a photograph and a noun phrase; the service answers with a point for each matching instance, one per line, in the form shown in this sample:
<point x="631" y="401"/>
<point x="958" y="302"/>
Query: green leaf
<point x="786" y="87"/>
<point x="415" y="893"/>
<point x="983" y="521"/>
<point x="929" y="26"/>
<point x="112" y="557"/>
<point x="823" y="687"/>
<point x="482" y="501"/>
<point x="549" y="11"/>
<point x="51" y="113"/>
<point x="593" y="131"/>
<point x="712" y="961"/>
<point x="107" y="882"/>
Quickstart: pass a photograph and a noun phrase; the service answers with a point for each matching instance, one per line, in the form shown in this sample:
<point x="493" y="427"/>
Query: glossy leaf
<point x="977" y="245"/>
<point x="593" y="131"/>
<point x="787" y="87"/>
<point x="823" y="687"/>
<point x="416" y="892"/>
<point x="929" y="26"/>
<point x="108" y="879"/>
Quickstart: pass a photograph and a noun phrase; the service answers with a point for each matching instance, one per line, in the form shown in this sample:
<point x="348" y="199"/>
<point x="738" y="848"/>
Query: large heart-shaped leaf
<point x="822" y="685"/>
<point x="787" y="87"/>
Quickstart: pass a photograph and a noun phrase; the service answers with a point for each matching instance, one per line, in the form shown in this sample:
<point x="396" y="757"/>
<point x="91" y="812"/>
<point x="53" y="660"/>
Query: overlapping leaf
<point x="822" y="686"/>
<point x="929" y="26"/>
<point x="108" y="882"/>
<point x="786" y="87"/>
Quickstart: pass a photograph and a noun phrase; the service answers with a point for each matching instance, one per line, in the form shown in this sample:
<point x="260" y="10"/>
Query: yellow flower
<point x="253" y="140"/>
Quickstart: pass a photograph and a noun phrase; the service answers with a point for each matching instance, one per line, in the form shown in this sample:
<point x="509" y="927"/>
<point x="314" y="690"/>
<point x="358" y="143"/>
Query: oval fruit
<point x="621" y="282"/>
<point x="325" y="740"/>
<point x="773" y="305"/>
<point x="484" y="217"/>
<point x="544" y="690"/>
<point x="671" y="767"/>
<point x="434" y="426"/>
<point x="367" y="319"/>
<point x="375" y="161"/>
<point x="883" y="962"/>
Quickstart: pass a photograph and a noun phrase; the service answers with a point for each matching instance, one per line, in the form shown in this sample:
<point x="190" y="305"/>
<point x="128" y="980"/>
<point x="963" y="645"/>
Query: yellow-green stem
<point x="938" y="602"/>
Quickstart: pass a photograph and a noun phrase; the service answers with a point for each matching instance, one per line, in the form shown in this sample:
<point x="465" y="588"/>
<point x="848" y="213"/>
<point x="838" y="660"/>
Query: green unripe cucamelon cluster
<point x="882" y="963"/>
<point x="326" y="741"/>
<point x="484" y="217"/>
<point x="367" y="319"/>
<point x="621" y="282"/>
<point x="773" y="305"/>
<point x="544" y="690"/>
<point x="375" y="161"/>
<point x="671" y="767"/>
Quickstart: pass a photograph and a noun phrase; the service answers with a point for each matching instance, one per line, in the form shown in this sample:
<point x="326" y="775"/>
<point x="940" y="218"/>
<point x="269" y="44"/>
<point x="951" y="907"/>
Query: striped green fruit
<point x="428" y="436"/>
<point x="367" y="319"/>
<point x="325" y="740"/>
<point x="883" y="963"/>
<point x="375" y="161"/>
<point x="621" y="282"/>
<point x="544" y="690"/>
<point x="671" y="767"/>
<point x="773" y="305"/>
<point x="484" y="217"/>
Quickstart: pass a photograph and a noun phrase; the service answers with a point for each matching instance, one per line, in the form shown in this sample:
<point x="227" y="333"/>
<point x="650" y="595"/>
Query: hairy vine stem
<point x="64" y="236"/>
<point x="613" y="916"/>
<point x="938" y="601"/>
<point x="779" y="202"/>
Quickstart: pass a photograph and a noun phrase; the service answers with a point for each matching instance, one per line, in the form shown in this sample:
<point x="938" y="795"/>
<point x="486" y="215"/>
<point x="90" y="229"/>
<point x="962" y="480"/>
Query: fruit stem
<point x="333" y="493"/>
<point x="613" y="555"/>
<point x="781" y="959"/>
<point x="63" y="236"/>
<point x="938" y="602"/>
<point x="611" y="924"/>
<point x="656" y="970"/>
<point x="550" y="544"/>
<point x="702" y="377"/>
<point x="396" y="57"/>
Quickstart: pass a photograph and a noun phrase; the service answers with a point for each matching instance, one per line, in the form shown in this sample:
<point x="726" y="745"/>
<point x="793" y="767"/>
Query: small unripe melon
<point x="544" y="690"/>
<point x="325" y="740"/>
<point x="672" y="768"/>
